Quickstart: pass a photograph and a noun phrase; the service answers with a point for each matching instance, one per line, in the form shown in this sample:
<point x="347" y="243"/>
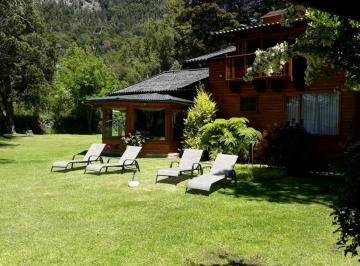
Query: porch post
<point x="130" y="119"/>
<point x="168" y="125"/>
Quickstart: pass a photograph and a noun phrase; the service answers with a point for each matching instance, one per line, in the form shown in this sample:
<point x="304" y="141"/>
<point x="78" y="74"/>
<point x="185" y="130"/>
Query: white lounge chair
<point x="92" y="155"/>
<point x="128" y="159"/>
<point x="189" y="162"/>
<point x="222" y="168"/>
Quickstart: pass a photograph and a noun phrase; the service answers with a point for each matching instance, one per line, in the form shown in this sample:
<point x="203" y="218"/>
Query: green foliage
<point x="26" y="60"/>
<point x="201" y="113"/>
<point x="231" y="136"/>
<point x="323" y="46"/>
<point x="134" y="139"/>
<point x="80" y="75"/>
<point x="288" y="146"/>
<point x="347" y="213"/>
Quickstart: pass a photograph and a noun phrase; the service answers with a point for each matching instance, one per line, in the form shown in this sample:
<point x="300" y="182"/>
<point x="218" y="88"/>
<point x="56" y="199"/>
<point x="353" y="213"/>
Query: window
<point x="178" y="123"/>
<point x="319" y="112"/>
<point x="292" y="106"/>
<point x="248" y="103"/>
<point x="115" y="122"/>
<point x="150" y="123"/>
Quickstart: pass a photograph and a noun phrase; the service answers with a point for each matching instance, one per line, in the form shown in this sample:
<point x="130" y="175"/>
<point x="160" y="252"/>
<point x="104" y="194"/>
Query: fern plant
<point x="232" y="136"/>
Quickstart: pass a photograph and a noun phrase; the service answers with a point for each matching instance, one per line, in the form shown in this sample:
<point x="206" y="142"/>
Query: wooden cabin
<point x="331" y="115"/>
<point x="156" y="107"/>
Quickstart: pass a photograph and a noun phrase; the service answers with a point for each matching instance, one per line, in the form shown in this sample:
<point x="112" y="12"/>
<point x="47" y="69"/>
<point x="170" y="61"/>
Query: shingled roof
<point x="211" y="55"/>
<point x="256" y="26"/>
<point x="145" y="97"/>
<point x="169" y="81"/>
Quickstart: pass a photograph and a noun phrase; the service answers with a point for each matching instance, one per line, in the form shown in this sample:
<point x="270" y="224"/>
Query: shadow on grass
<point x="7" y="145"/>
<point x="280" y="189"/>
<point x="172" y="180"/>
<point x="6" y="161"/>
<point x="226" y="259"/>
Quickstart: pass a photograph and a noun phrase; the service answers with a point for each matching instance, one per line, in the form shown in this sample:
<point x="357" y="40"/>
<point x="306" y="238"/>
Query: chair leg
<point x="85" y="171"/>
<point x="51" y="169"/>
<point x="156" y="179"/>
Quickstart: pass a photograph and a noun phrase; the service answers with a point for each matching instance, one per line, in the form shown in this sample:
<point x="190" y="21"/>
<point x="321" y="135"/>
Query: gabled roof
<point x="169" y="81"/>
<point x="212" y="55"/>
<point x="256" y="26"/>
<point x="144" y="97"/>
<point x="278" y="12"/>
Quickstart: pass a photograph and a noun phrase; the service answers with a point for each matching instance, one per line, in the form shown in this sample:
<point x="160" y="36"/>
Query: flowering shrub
<point x="288" y="146"/>
<point x="133" y="140"/>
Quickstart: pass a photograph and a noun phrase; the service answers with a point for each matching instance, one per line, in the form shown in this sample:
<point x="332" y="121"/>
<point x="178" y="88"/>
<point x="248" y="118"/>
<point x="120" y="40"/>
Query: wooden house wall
<point x="271" y="104"/>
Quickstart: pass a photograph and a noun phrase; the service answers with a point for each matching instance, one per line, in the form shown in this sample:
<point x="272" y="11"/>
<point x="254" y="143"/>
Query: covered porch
<point x="154" y="108"/>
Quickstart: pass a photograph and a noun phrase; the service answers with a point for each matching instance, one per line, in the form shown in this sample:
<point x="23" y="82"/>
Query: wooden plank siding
<point x="168" y="145"/>
<point x="271" y="104"/>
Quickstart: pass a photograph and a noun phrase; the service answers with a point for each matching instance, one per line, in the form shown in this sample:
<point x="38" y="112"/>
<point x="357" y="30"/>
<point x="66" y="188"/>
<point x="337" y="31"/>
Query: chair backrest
<point x="223" y="163"/>
<point x="94" y="150"/>
<point x="189" y="157"/>
<point x="130" y="153"/>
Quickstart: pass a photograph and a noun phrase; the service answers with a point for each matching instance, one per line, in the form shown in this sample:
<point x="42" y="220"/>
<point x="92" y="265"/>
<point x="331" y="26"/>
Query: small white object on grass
<point x="134" y="183"/>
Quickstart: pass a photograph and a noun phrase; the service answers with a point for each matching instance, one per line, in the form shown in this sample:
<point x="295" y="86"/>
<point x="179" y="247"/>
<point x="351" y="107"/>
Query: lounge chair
<point x="222" y="168"/>
<point x="189" y="162"/>
<point x="92" y="155"/>
<point x="128" y="159"/>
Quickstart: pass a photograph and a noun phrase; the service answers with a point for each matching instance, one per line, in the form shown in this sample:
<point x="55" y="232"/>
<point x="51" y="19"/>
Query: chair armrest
<point x="96" y="158"/>
<point x="128" y="160"/>
<point x="174" y="162"/>
<point x="73" y="158"/>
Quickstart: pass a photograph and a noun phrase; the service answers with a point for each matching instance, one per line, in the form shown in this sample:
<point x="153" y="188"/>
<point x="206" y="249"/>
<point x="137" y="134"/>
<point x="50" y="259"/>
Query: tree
<point x="80" y="74"/>
<point x="201" y="113"/>
<point x="26" y="60"/>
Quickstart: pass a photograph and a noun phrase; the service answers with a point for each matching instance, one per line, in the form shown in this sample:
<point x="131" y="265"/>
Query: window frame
<point x="108" y="134"/>
<point x="256" y="103"/>
<point x="300" y="108"/>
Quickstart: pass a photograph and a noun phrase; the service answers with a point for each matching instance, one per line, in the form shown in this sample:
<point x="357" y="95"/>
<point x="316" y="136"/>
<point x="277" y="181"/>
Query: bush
<point x="133" y="140"/>
<point x="347" y="213"/>
<point x="288" y="146"/>
<point x="231" y="136"/>
<point x="202" y="112"/>
<point x="29" y="122"/>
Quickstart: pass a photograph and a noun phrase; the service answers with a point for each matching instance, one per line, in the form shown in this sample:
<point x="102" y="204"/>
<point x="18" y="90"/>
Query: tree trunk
<point x="8" y="117"/>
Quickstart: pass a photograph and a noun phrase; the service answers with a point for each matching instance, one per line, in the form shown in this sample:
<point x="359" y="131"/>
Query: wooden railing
<point x="236" y="65"/>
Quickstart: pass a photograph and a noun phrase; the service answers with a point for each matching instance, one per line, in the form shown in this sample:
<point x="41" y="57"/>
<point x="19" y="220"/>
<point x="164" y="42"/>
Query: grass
<point x="71" y="218"/>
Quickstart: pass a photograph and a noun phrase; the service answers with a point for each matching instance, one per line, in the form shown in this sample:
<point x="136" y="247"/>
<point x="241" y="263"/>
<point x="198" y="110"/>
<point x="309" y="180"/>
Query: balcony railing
<point x="236" y="65"/>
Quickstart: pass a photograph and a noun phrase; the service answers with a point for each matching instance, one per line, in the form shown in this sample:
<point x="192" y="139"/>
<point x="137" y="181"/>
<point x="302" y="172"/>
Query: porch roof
<point x="169" y="81"/>
<point x="143" y="97"/>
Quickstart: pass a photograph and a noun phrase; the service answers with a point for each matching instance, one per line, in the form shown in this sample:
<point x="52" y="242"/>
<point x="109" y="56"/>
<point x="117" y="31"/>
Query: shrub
<point x="231" y="136"/>
<point x="287" y="146"/>
<point x="202" y="112"/>
<point x="133" y="140"/>
<point x="347" y="213"/>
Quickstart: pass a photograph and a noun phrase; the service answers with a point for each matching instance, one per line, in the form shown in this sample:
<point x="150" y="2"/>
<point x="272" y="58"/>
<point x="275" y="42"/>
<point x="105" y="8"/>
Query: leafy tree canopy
<point x="331" y="44"/>
<point x="26" y="60"/>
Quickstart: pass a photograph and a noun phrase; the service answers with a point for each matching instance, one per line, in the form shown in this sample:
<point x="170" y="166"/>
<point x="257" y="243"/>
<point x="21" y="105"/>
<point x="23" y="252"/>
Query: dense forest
<point x="112" y="43"/>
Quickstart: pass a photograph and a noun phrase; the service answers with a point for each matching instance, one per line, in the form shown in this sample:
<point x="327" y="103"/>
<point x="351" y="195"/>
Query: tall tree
<point x="80" y="74"/>
<point x="26" y="59"/>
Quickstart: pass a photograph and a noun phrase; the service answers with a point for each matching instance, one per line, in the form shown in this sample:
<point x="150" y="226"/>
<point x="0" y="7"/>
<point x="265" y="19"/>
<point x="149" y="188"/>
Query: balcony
<point x="236" y="66"/>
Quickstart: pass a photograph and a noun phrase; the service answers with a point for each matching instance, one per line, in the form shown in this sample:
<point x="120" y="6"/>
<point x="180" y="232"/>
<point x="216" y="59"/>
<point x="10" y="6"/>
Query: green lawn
<point x="72" y="218"/>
